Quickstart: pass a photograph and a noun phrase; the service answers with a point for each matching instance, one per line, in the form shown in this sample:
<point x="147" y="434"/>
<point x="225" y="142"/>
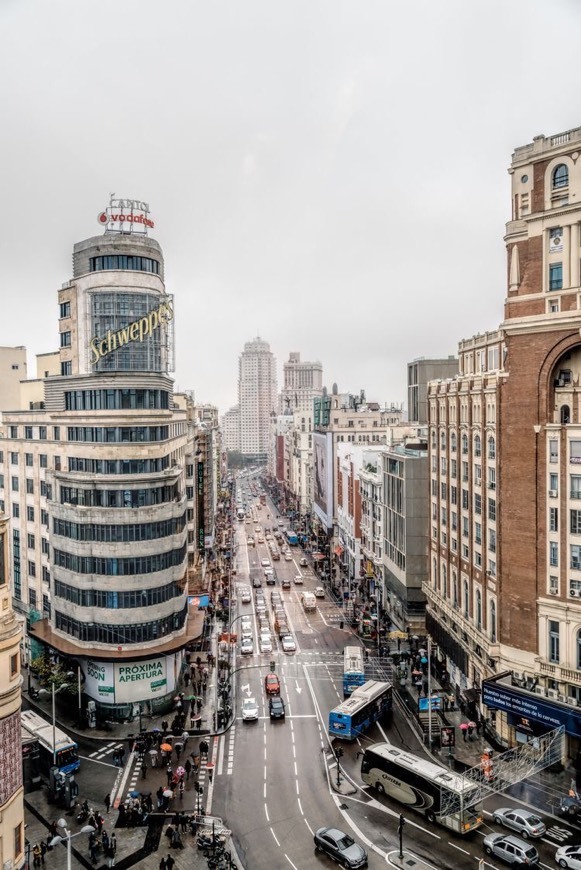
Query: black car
<point x="276" y="707"/>
<point x="341" y="847"/>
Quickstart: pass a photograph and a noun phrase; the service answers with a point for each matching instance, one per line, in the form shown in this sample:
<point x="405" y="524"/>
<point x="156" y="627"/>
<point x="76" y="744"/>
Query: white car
<point x="569" y="856"/>
<point x="247" y="647"/>
<point x="298" y="580"/>
<point x="288" y="643"/>
<point x="265" y="563"/>
<point x="265" y="645"/>
<point x="249" y="710"/>
<point x="288" y="557"/>
<point x="246" y="623"/>
<point x="319" y="592"/>
<point x="268" y="570"/>
<point x="246" y="633"/>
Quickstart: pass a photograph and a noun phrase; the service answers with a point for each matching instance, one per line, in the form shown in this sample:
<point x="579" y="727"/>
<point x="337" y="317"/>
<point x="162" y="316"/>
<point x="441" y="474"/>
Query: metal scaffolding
<point x="496" y="772"/>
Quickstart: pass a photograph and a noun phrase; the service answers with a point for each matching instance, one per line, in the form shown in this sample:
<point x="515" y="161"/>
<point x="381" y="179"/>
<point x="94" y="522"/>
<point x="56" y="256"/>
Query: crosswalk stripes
<point x="231" y="738"/>
<point x="108" y="750"/>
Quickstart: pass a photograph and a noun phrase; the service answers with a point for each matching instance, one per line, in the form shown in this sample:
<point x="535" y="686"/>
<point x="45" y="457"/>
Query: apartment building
<point x="105" y="464"/>
<point x="504" y="595"/>
<point x="257" y="397"/>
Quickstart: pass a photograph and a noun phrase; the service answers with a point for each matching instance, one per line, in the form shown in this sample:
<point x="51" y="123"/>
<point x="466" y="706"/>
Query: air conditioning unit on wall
<point x="553" y="493"/>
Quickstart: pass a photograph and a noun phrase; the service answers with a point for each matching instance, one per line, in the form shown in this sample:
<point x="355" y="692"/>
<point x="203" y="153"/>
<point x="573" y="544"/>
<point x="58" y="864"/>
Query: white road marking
<point x="456" y="847"/>
<point x="96" y="761"/>
<point x="290" y="862"/>
<point x="275" y="837"/>
<point x="128" y="767"/>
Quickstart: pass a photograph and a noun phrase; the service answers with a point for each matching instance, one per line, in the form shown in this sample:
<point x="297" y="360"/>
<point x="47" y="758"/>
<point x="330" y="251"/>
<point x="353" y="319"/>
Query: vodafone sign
<point x="126" y="216"/>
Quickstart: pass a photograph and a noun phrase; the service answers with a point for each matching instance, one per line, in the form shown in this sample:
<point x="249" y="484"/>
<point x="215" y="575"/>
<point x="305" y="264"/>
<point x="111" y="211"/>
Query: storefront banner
<point x="100" y="681"/>
<point x="499" y="697"/>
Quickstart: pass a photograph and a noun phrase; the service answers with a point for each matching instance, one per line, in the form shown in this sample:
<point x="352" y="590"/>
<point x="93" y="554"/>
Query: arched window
<point x="565" y="415"/>
<point x="435" y="568"/>
<point x="455" y="588"/>
<point x="560" y="176"/>
<point x="443" y="440"/>
<point x="478" y="608"/>
<point x="464" y="443"/>
<point x="466" y="600"/>
<point x="444" y="581"/>
<point x="477" y="446"/>
<point x="493" y="622"/>
<point x="434" y="436"/>
<point x="491" y="448"/>
<point x="453" y="442"/>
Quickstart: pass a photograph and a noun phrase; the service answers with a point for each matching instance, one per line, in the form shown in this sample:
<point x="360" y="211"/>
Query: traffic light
<point x="401" y="824"/>
<point x="339" y="752"/>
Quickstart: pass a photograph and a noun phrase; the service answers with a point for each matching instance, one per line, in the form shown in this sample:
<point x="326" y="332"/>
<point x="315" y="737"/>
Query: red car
<point x="271" y="684"/>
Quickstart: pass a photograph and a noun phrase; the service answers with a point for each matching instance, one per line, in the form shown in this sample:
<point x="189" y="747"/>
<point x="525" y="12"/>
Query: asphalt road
<point x="275" y="778"/>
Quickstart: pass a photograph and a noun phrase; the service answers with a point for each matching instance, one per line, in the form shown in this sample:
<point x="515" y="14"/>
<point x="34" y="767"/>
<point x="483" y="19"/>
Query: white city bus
<point x="442" y="795"/>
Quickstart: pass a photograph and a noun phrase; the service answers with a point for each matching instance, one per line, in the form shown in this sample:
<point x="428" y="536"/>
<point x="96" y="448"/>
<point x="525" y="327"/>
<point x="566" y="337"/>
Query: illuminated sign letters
<point x="126" y="216"/>
<point x="136" y="331"/>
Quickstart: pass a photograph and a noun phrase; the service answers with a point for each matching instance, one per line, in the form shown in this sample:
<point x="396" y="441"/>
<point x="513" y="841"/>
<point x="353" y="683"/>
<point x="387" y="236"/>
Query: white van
<point x="309" y="601"/>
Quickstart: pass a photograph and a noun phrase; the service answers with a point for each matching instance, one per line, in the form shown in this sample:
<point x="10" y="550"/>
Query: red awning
<point x="339" y="550"/>
<point x="317" y="557"/>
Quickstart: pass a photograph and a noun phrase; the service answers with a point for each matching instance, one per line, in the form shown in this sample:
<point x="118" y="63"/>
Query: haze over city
<point x="330" y="176"/>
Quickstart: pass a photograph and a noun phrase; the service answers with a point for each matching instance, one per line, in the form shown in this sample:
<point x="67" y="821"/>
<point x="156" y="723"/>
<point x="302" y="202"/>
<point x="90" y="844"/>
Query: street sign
<point x="448" y="736"/>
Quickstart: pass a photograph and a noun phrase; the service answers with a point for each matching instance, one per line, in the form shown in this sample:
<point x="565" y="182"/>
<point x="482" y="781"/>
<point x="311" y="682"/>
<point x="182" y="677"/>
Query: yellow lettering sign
<point x="135" y="331"/>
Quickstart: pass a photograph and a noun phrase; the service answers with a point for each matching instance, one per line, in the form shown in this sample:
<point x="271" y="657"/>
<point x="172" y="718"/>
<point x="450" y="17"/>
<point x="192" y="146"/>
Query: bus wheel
<point x="379" y="787"/>
<point x="431" y="816"/>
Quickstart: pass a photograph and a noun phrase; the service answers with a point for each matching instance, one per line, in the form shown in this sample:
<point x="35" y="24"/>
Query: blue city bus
<point x="291" y="538"/>
<point x="368" y="704"/>
<point x="66" y="757"/>
<point x="353" y="669"/>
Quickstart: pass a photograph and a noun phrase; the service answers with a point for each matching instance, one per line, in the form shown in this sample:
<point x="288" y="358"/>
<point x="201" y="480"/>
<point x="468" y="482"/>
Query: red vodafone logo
<point x="102" y="218"/>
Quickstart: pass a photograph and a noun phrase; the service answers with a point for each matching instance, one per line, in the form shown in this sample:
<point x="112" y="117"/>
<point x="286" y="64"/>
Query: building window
<point x="466" y="600"/>
<point x="65" y="339"/>
<point x="491" y="448"/>
<point x="554" y="519"/>
<point x="560" y="176"/>
<point x="579" y="650"/>
<point x="478" y="533"/>
<point x="14" y="431"/>
<point x="464" y="444"/>
<point x="554" y="554"/>
<point x="65" y="309"/>
<point x="32" y="569"/>
<point x="13" y="458"/>
<point x="492" y="540"/>
<point x="15" y="510"/>
<point x="18" y="840"/>
<point x="14" y="665"/>
<point x="553" y="450"/>
<point x="576" y="556"/>
<point x="553" y="585"/>
<point x="478" y="609"/>
<point x="31" y="541"/>
<point x="575" y="491"/>
<point x="42" y="433"/>
<point x="477" y="503"/>
<point x="29" y="486"/>
<point x="453" y="442"/>
<point x="66" y="368"/>
<point x="28" y="433"/>
<point x="14" y="484"/>
<point x="491" y="509"/>
<point x="493" y="621"/>
<point x="30" y="513"/>
<point x="553" y="641"/>
<point x="477" y="446"/>
<point x="556" y="276"/>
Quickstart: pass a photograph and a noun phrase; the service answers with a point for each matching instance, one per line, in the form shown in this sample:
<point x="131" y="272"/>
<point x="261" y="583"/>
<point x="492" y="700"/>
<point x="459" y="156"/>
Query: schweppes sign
<point x="136" y="331"/>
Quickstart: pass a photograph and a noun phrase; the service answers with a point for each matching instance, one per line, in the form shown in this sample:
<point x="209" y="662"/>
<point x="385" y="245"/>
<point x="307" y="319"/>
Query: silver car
<point x="569" y="856"/>
<point x="528" y="824"/>
<point x="249" y="710"/>
<point x="512" y="850"/>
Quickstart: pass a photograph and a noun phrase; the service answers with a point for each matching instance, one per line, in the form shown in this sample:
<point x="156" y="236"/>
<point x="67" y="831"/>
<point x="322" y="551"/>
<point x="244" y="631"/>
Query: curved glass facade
<point x="119" y="634"/>
<point x="115" y="566"/>
<point x="118" y="466"/>
<point x="116" y="400"/>
<point x="117" y="434"/>
<point x="117" y="599"/>
<point x="123" y="261"/>
<point x="117" y="534"/>
<point x="119" y="498"/>
<point x="113" y="312"/>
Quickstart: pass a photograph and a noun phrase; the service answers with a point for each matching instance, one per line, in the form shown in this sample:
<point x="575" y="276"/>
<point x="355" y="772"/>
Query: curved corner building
<point x="114" y="485"/>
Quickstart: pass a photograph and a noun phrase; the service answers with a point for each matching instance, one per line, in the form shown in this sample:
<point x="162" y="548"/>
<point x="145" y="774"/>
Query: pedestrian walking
<point x="182" y="787"/>
<point x="478" y="726"/>
<point x="43" y="849"/>
<point x="188" y="768"/>
<point x="169" y="773"/>
<point x="36" y="855"/>
<point x="464" y="730"/>
<point x="112" y="850"/>
<point x="162" y="864"/>
<point x="93" y="848"/>
<point x="107" y="802"/>
<point x="169" y="863"/>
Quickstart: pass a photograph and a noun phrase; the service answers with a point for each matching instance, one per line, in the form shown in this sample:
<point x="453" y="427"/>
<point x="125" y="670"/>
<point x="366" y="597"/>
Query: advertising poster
<point x="323" y="481"/>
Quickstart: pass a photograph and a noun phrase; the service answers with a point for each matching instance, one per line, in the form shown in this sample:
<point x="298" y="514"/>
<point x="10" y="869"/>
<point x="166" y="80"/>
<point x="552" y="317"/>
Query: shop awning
<point x="339" y="550"/>
<point x="318" y="557"/>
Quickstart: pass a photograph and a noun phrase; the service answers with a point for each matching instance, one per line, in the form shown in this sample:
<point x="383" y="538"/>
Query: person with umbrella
<point x="464" y="730"/>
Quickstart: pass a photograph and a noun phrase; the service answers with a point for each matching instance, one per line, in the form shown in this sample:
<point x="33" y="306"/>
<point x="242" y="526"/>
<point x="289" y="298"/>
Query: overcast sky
<point x="329" y="175"/>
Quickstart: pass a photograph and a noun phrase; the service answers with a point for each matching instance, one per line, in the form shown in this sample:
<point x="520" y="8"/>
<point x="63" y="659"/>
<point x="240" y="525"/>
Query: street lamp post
<point x="54" y="692"/>
<point x="86" y="829"/>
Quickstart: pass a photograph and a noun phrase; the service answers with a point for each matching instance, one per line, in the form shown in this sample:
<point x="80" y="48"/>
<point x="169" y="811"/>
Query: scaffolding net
<point x="497" y="771"/>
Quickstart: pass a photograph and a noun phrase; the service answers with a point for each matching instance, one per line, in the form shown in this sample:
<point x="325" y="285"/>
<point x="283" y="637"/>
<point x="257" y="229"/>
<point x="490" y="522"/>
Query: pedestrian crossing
<point x="109" y="749"/>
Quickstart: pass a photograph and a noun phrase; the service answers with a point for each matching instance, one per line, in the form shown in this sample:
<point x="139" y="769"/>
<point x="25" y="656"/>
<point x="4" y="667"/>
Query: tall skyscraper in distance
<point x="302" y="381"/>
<point x="257" y="397"/>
